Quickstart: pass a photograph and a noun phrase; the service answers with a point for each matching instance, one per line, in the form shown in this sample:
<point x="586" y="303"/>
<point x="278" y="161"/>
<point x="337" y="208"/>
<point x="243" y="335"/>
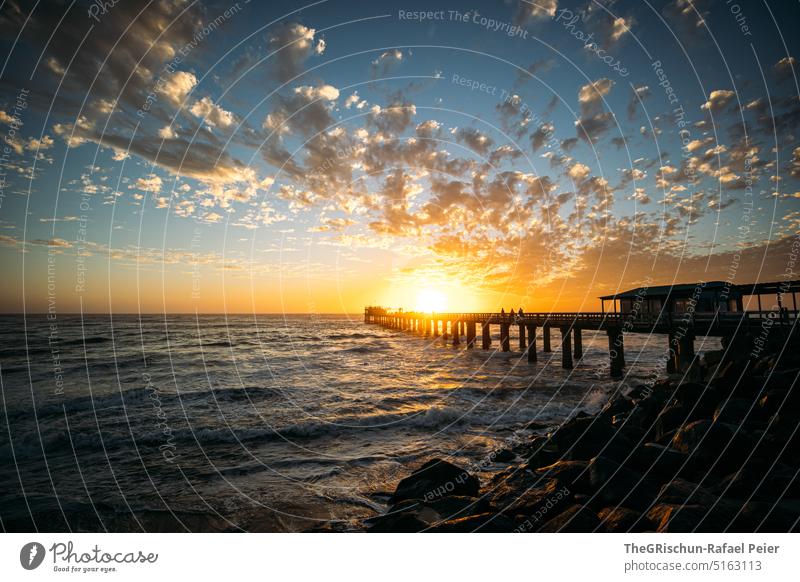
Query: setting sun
<point x="431" y="300"/>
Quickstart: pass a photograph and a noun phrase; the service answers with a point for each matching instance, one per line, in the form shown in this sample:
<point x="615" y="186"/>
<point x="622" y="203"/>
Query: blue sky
<point x="284" y="156"/>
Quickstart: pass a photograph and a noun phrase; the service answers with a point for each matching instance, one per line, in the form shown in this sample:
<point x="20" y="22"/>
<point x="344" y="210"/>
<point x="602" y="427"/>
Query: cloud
<point x="394" y="118"/>
<point x="305" y="111"/>
<point x="535" y="10"/>
<point x="620" y="27"/>
<point x="591" y="95"/>
<point x="176" y="86"/>
<point x="475" y="140"/>
<point x="212" y="114"/>
<point x="784" y="68"/>
<point x="594" y="127"/>
<point x="638" y="95"/>
<point x="386" y="62"/>
<point x="542" y="135"/>
<point x="718" y="100"/>
<point x="291" y="44"/>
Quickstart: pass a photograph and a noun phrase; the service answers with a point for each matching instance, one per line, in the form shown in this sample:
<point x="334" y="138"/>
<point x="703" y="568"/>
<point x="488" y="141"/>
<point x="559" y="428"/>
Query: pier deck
<point x="680" y="329"/>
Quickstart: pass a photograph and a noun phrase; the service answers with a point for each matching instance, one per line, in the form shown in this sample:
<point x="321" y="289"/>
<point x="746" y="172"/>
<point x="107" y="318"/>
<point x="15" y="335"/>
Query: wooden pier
<point x="680" y="329"/>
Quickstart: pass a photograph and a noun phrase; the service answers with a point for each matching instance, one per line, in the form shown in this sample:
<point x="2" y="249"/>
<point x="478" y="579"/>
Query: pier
<point x="681" y="313"/>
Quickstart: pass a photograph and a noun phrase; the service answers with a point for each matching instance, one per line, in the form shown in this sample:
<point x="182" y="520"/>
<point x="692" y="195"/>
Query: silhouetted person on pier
<point x="520" y="312"/>
<point x="502" y="313"/>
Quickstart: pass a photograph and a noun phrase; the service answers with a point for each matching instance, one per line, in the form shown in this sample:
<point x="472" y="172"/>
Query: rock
<point x="735" y="411"/>
<point x="485" y="523"/>
<point x="573" y="474"/>
<point x="542" y="452"/>
<point x="436" y="479"/>
<point x="683" y="492"/>
<point x="503" y="456"/>
<point x="714" y="446"/>
<point x="548" y="500"/>
<point x="662" y="462"/>
<point x="613" y="484"/>
<point x="623" y="520"/>
<point x="615" y="406"/>
<point x="677" y="518"/>
<point x="670" y="419"/>
<point x="454" y="506"/>
<point x="582" y="438"/>
<point x="575" y="519"/>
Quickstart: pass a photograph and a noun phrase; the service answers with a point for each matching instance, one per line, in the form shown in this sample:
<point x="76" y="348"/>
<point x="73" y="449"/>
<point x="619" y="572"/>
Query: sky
<point x="291" y="157"/>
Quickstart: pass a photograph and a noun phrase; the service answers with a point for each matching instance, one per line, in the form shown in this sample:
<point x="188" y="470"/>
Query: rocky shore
<point x="714" y="449"/>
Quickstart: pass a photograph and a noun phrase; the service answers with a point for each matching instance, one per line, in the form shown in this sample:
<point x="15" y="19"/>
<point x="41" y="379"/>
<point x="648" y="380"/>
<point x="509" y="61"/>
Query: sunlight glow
<point x="429" y="300"/>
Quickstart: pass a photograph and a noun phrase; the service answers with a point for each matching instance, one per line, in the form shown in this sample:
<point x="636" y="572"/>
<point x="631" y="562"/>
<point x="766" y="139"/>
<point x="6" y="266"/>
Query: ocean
<point x="261" y="423"/>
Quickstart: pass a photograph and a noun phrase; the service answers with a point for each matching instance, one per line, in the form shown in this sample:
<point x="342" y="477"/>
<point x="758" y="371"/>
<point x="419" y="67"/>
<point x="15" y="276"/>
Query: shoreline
<point x="712" y="450"/>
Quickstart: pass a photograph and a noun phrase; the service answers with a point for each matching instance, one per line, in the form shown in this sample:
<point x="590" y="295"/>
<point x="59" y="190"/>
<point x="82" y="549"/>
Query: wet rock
<point x="402" y="522"/>
<point x="735" y="411"/>
<point x="613" y="484"/>
<point x="713" y="445"/>
<point x="622" y="520"/>
<point x="542" y="452"/>
<point x="547" y="500"/>
<point x="436" y="479"/>
<point x="573" y="474"/>
<point x="583" y="438"/>
<point x="503" y="456"/>
<point x="662" y="462"/>
<point x="575" y="519"/>
<point x="483" y="523"/>
<point x="670" y="419"/>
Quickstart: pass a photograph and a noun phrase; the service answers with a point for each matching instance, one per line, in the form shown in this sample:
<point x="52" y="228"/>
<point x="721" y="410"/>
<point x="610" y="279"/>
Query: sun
<point x="431" y="300"/>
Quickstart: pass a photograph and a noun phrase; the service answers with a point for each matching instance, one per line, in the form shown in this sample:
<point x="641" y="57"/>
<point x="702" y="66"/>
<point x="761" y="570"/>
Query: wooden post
<point x="546" y="338"/>
<point x="444" y="331"/>
<point x="456" y="326"/>
<point x="470" y="334"/>
<point x="578" y="343"/>
<point x="486" y="336"/>
<point x="685" y="351"/>
<point x="531" y="343"/>
<point x="504" y="339"/>
<point x="672" y="354"/>
<point x="566" y="349"/>
<point x="522" y="337"/>
<point x="616" y="351"/>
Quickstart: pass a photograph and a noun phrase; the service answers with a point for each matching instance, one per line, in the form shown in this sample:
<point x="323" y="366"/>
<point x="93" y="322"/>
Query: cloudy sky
<point x="292" y="157"/>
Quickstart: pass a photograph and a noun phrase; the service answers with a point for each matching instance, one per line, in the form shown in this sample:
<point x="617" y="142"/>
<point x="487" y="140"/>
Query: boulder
<point x="662" y="462"/>
<point x="575" y="519"/>
<point x="613" y="484"/>
<point x="484" y="522"/>
<point x="548" y="500"/>
<point x="573" y="474"/>
<point x="670" y="419"/>
<point x="582" y="438"/>
<point x="735" y="411"/>
<point x="623" y="520"/>
<point x="436" y="479"/>
<point x="503" y="456"/>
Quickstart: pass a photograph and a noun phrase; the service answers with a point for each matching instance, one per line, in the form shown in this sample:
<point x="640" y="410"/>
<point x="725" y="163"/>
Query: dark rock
<point x="660" y="461"/>
<point x="573" y="474"/>
<point x="541" y="452"/>
<point x="582" y="438"/>
<point x="677" y="518"/>
<point x="575" y="519"/>
<point x="435" y="479"/>
<point x="670" y="419"/>
<point x="622" y="520"/>
<point x="548" y="500"/>
<point x="714" y="446"/>
<point x="485" y="522"/>
<point x="613" y="484"/>
<point x="734" y="411"/>
<point x="616" y="406"/>
<point x="503" y="456"/>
